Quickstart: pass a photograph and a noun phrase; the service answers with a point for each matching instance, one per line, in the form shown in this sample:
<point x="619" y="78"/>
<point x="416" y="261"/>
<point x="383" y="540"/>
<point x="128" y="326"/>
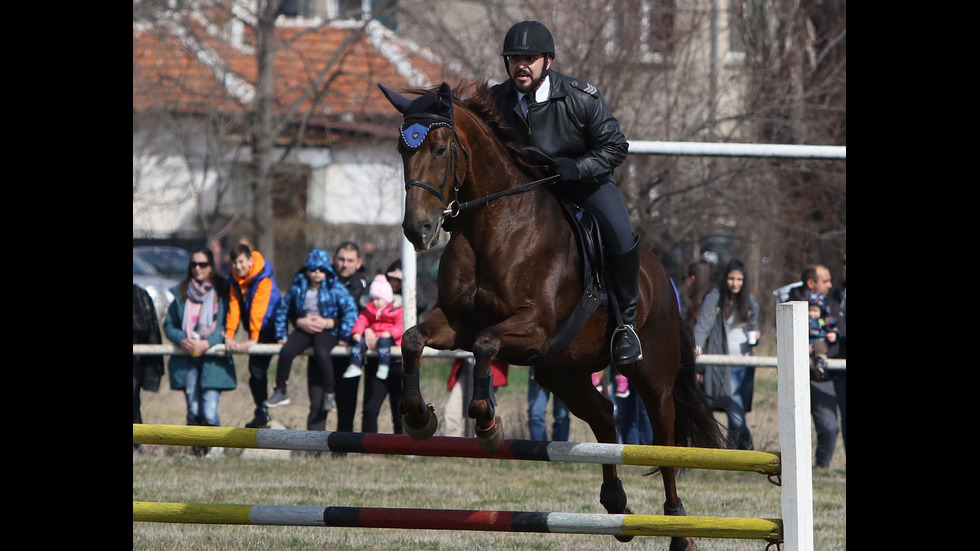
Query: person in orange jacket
<point x="255" y="297"/>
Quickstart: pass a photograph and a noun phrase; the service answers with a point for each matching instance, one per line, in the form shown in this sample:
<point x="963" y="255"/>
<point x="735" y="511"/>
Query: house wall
<point x="350" y="183"/>
<point x="362" y="186"/>
<point x="168" y="177"/>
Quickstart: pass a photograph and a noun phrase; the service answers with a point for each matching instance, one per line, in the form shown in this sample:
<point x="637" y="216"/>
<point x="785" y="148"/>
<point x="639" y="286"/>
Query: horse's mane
<point x="479" y="101"/>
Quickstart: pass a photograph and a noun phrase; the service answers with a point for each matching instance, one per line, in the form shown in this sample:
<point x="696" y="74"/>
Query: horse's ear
<point x="446" y="99"/>
<point x="446" y="92"/>
<point x="400" y="102"/>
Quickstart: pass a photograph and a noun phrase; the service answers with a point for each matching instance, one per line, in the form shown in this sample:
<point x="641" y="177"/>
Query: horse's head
<point x="430" y="158"/>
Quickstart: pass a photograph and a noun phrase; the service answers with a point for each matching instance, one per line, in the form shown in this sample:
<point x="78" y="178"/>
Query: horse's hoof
<point x="625" y="539"/>
<point x="491" y="439"/>
<point x="425" y="432"/>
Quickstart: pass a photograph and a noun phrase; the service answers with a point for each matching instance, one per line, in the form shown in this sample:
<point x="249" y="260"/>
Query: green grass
<point x="170" y="473"/>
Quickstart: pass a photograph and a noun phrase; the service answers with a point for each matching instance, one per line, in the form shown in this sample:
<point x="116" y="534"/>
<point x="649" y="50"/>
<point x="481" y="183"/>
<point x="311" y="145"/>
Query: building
<point x="194" y="84"/>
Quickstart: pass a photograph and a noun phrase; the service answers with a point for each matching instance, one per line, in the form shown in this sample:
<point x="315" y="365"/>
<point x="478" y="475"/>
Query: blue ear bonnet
<point x="414" y="134"/>
<point x="424" y="114"/>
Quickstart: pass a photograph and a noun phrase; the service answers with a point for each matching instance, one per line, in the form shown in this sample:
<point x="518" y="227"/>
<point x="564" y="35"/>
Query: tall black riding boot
<point x="624" y="270"/>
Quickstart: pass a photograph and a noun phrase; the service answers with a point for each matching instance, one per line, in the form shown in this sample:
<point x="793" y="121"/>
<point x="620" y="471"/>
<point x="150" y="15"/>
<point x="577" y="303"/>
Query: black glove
<point x="567" y="170"/>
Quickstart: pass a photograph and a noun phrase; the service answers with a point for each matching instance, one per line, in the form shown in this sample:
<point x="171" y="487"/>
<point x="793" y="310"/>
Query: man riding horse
<point x="567" y="120"/>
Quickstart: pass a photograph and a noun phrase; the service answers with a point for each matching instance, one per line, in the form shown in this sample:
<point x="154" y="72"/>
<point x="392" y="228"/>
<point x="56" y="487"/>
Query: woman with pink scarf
<point x="195" y="322"/>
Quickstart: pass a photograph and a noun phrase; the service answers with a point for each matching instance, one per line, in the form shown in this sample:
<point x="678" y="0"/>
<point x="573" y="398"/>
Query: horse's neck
<point x="515" y="219"/>
<point x="533" y="210"/>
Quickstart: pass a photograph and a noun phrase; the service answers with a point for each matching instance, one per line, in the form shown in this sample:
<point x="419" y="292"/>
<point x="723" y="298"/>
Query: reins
<point x="455" y="207"/>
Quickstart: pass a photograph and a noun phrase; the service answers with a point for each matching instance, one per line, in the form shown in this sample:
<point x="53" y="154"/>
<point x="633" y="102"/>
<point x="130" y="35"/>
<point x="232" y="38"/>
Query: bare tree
<point x="769" y="71"/>
<point x="663" y="68"/>
<point x="260" y="128"/>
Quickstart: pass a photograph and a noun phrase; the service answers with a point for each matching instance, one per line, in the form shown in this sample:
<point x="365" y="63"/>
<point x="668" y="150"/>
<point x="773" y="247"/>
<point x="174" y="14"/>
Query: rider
<point x="568" y="121"/>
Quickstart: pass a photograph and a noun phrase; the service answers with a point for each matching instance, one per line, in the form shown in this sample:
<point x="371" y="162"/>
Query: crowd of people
<point x="331" y="302"/>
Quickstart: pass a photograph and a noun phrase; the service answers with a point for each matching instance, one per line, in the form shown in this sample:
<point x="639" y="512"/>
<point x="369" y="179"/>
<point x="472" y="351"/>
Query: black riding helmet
<point x="528" y="38"/>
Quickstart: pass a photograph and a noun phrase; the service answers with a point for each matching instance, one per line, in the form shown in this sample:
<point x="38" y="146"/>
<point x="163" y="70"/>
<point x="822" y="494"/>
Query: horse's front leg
<point x="482" y="408"/>
<point x="419" y="418"/>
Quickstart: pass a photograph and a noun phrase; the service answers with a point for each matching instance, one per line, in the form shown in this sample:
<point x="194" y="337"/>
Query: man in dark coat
<point x="566" y="119"/>
<point x="147" y="369"/>
<point x="823" y="398"/>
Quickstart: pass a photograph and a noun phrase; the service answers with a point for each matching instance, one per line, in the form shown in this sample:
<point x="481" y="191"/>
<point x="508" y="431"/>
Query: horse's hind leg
<point x="586" y="403"/>
<point x="654" y="390"/>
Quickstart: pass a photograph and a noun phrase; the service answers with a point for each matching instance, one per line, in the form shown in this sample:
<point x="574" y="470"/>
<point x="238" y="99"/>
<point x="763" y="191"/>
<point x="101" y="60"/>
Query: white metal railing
<point x="769" y="150"/>
<point x="272" y="349"/>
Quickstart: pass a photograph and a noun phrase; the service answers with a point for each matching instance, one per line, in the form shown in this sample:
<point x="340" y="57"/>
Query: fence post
<point x="793" y="383"/>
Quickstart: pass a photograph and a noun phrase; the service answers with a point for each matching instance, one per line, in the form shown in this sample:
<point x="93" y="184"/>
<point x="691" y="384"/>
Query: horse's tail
<point x="694" y="422"/>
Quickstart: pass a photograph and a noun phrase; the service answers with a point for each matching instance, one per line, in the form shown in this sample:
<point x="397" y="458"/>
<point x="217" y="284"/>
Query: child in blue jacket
<point x="322" y="312"/>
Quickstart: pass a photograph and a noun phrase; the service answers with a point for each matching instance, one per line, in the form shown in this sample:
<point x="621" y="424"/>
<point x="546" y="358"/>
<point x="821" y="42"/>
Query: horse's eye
<point x="440" y="151"/>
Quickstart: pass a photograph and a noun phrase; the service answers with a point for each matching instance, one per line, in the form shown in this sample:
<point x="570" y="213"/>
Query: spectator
<point x="349" y="266"/>
<point x="394" y="275"/>
<point x="687" y="285"/>
<point x="574" y="127"/>
<point x="322" y="313"/>
<point x="840" y="375"/>
<point x="375" y="389"/>
<point x="194" y="322"/>
<point x="823" y="330"/>
<point x="254" y="298"/>
<point x="378" y="327"/>
<point x="699" y="285"/>
<point x="823" y="398"/>
<point x="632" y="420"/>
<point x="222" y="260"/>
<point x="537" y="407"/>
<point x="728" y="324"/>
<point x="147" y="370"/>
<point x="603" y="384"/>
<point x="696" y="282"/>
<point x="453" y="413"/>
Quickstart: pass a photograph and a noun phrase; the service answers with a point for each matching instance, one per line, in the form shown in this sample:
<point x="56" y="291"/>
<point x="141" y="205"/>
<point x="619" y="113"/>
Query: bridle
<point x="455" y="207"/>
<point x="437" y="120"/>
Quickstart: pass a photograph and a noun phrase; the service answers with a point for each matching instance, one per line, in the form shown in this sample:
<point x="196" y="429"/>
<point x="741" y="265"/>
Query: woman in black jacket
<point x="728" y="324"/>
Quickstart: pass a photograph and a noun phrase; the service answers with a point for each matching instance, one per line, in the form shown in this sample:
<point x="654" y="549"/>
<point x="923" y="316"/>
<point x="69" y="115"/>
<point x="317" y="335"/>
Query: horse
<point x="511" y="274"/>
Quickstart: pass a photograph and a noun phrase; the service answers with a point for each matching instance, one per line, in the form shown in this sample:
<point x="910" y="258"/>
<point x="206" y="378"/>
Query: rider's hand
<point x="567" y="169"/>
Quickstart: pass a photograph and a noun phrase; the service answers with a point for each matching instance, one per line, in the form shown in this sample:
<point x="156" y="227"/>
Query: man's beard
<point x="533" y="85"/>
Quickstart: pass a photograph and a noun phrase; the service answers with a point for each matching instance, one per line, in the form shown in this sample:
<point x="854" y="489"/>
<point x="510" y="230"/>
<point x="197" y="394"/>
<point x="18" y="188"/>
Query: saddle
<point x="590" y="249"/>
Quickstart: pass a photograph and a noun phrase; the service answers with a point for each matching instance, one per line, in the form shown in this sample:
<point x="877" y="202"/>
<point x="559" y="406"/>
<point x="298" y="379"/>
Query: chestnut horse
<point x="512" y="272"/>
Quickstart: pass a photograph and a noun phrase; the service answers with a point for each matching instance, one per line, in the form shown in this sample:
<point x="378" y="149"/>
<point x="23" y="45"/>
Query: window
<point x="642" y="26"/>
<point x="355" y="10"/>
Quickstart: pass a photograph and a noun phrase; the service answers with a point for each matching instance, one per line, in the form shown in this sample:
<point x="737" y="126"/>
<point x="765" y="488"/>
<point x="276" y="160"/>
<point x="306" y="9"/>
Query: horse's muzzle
<point x="421" y="233"/>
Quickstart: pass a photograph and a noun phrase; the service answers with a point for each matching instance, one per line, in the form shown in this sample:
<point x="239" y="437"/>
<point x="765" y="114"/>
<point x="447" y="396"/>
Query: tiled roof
<point x="188" y="69"/>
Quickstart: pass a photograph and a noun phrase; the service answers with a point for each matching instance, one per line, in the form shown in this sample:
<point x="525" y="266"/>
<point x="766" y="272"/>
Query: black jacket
<point x="575" y="123"/>
<point x="146" y="330"/>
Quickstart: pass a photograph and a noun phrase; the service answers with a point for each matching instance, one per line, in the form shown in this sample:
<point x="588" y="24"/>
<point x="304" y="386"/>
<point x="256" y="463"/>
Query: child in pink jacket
<point x="381" y="326"/>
